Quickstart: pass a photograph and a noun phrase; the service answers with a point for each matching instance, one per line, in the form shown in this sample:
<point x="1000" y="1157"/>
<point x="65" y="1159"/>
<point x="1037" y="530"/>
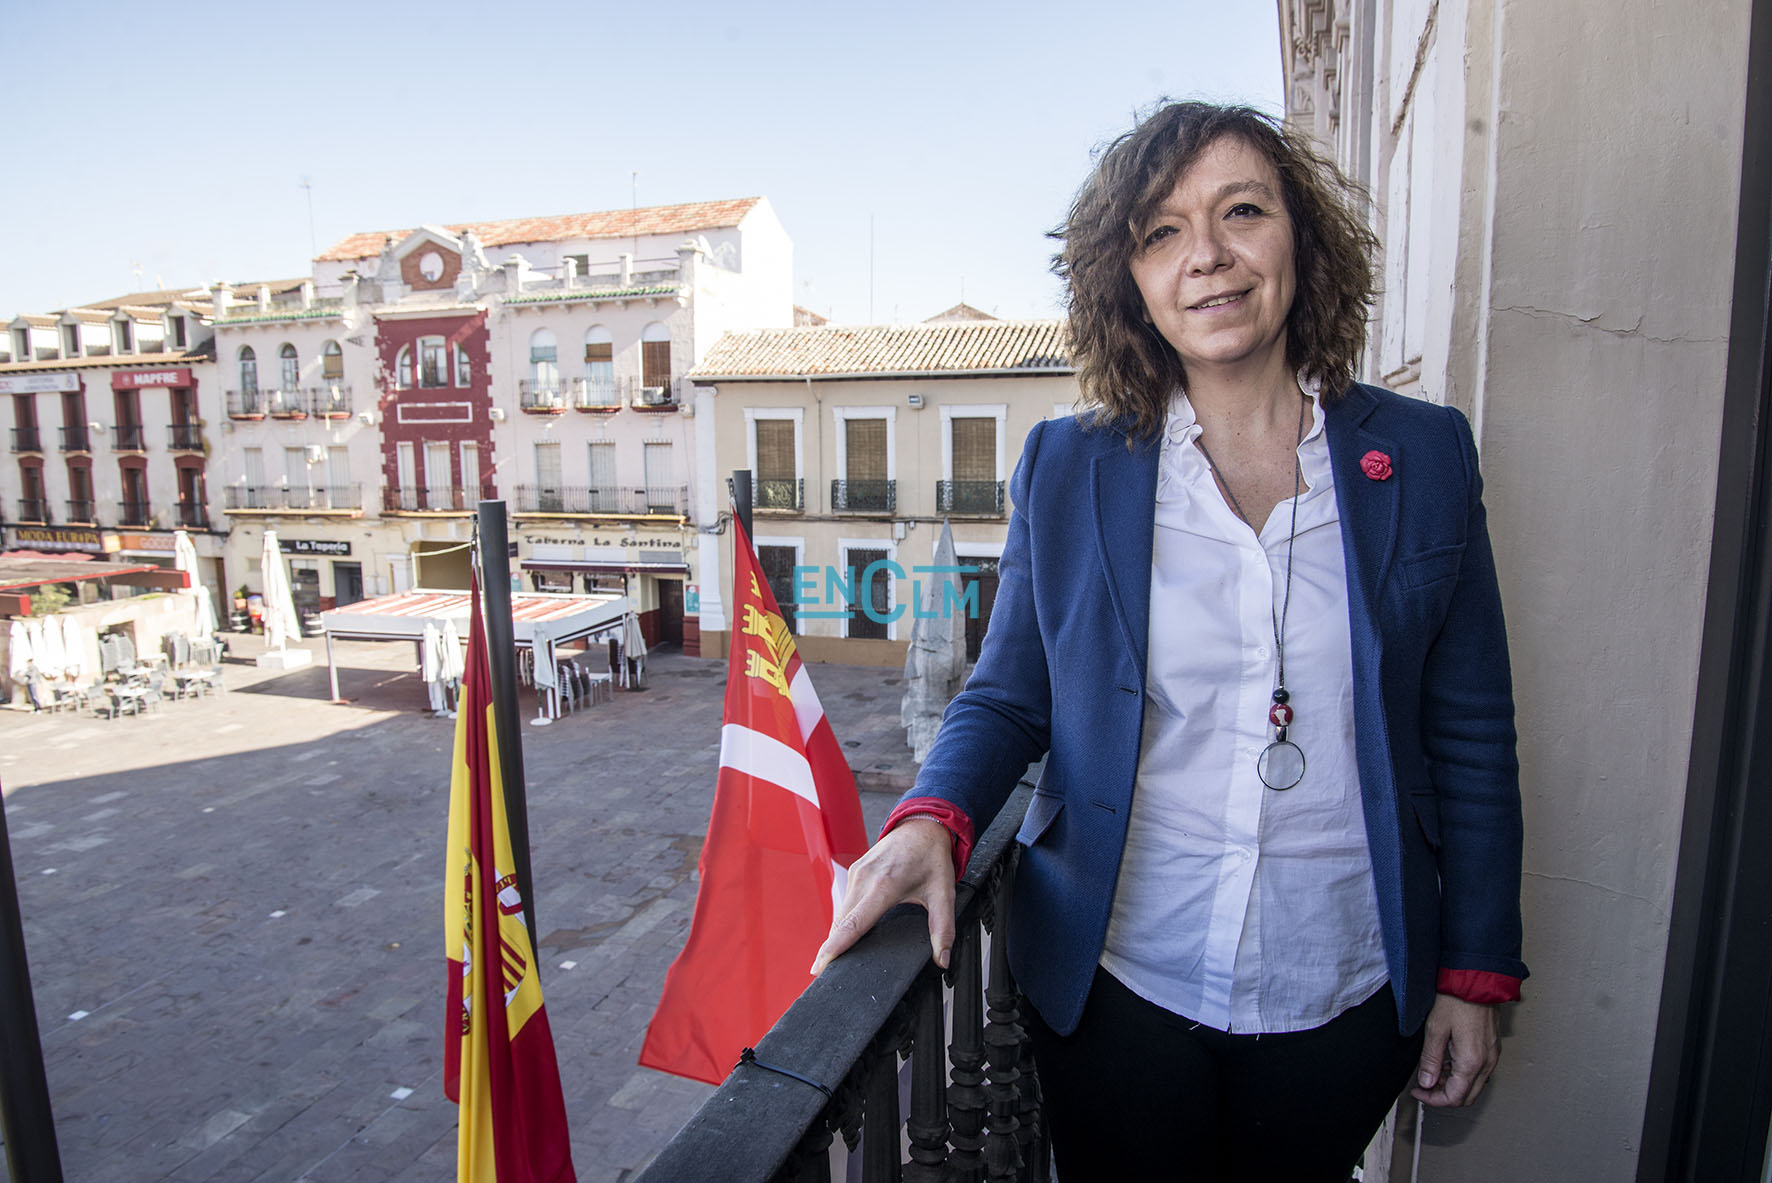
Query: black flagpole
<point x="25" y="1118"/>
<point x="741" y="498"/>
<point x="501" y="655"/>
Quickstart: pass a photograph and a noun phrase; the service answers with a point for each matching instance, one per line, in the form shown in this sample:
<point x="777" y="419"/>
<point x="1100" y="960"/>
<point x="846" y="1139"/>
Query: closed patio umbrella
<point x="281" y="622"/>
<point x="47" y="642"/>
<point x="184" y="557"/>
<point x="935" y="664"/>
<point x="74" y="663"/>
<point x="19" y="652"/>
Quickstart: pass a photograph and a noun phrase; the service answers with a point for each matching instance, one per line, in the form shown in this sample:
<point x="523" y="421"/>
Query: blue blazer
<point x="1062" y="675"/>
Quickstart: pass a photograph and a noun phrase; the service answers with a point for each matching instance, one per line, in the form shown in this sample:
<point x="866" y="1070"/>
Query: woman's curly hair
<point x="1124" y="366"/>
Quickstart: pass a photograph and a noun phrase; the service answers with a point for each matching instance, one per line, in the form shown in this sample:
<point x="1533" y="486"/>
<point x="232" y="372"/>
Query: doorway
<point x="347" y="583"/>
<point x="670" y="612"/>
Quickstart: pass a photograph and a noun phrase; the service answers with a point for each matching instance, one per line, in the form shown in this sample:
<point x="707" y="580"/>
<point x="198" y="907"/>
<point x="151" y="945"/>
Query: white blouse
<point x="1241" y="907"/>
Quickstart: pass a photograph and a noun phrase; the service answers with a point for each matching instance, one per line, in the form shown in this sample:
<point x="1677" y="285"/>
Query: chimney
<point x="264" y="298"/>
<point x="627" y="269"/>
<point x="350" y="286"/>
<point x="223" y="297"/>
<point x="307" y="294"/>
<point x="516" y="269"/>
<point x="568" y="271"/>
<point x="687" y="254"/>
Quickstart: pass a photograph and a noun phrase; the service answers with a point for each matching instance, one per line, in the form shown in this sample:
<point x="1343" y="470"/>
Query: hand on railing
<point x="914" y="864"/>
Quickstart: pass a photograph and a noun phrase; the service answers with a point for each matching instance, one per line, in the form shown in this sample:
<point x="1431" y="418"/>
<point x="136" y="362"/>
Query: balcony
<point x="34" y="510"/>
<point x="541" y="398"/>
<point x="134" y="513"/>
<point x="82" y="512"/>
<point x="864" y="496"/>
<point x="332" y="401"/>
<point x="185" y="437"/>
<point x="283" y="499"/>
<point x="436" y="499"/>
<point x="285" y="404"/>
<point x="974" y="1096"/>
<point x="777" y="496"/>
<point x="193" y="515"/>
<point x="246" y="404"/>
<point x="75" y="438"/>
<point x="128" y="437"/>
<point x="980" y="498"/>
<point x="595" y="500"/>
<point x="26" y="439"/>
<point x="595" y="395"/>
<point x="643" y="396"/>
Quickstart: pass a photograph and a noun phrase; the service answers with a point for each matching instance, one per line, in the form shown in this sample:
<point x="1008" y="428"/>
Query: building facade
<point x="861" y="441"/>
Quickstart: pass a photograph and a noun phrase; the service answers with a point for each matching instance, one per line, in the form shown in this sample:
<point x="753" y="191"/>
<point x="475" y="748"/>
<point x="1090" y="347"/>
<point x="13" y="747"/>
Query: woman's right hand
<point x="912" y="864"/>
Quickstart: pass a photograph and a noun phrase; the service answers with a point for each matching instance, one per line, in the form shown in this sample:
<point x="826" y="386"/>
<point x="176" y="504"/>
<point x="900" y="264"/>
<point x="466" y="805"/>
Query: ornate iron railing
<point x="541" y="398"/>
<point x="332" y="401"/>
<point x="193" y="515"/>
<point x="278" y="498"/>
<point x="593" y="394"/>
<point x="783" y="496"/>
<point x="246" y="404"/>
<point x="134" y="513"/>
<point x="81" y="511"/>
<point x="284" y="403"/>
<point x="864" y="496"/>
<point x="974" y="497"/>
<point x="428" y="499"/>
<point x="128" y="437"/>
<point x="974" y="1100"/>
<point x="33" y="509"/>
<point x="185" y="437"/>
<point x="26" y="439"/>
<point x="76" y="438"/>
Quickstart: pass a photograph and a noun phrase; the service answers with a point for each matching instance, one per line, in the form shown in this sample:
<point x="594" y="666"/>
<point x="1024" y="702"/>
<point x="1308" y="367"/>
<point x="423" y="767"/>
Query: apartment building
<point x="861" y="440"/>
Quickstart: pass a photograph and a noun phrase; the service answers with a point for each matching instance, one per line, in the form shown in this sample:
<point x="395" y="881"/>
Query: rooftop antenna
<point x="313" y="243"/>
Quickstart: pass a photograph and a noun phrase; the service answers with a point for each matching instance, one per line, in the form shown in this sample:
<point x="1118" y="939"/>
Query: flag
<point x="786" y="826"/>
<point x="498" y="1058"/>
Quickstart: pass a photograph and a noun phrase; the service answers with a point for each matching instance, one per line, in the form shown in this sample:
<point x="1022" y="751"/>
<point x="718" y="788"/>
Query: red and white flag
<point x="786" y="827"/>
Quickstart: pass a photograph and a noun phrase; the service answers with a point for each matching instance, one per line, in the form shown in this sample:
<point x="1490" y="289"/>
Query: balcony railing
<point x="193" y="515"/>
<point x="75" y="438"/>
<point x="281" y="499"/>
<point x="185" y="437"/>
<point x="582" y="499"/>
<point x="82" y="512"/>
<point x="652" y="394"/>
<point x="332" y="401"/>
<point x="128" y="437"/>
<point x="435" y="499"/>
<point x="246" y="404"/>
<point x="782" y="496"/>
<point x="133" y="513"/>
<point x="33" y="509"/>
<point x="26" y="439"/>
<point x="285" y="404"/>
<point x="975" y="1108"/>
<point x="864" y="496"/>
<point x="984" y="498"/>
<point x="541" y="398"/>
<point x="591" y="394"/>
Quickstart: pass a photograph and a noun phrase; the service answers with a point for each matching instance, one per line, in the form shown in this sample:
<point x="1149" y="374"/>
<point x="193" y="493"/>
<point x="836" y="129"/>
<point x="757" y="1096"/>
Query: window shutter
<point x="975" y="449"/>
<point x="655" y="363"/>
<point x="865" y="440"/>
<point x="775" y="449"/>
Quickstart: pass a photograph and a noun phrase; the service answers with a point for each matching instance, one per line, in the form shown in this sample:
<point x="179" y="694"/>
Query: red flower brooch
<point x="1376" y="465"/>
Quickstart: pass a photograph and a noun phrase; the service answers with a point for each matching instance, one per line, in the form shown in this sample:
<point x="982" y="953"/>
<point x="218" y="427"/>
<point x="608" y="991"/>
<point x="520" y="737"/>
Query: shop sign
<point x="157" y="544"/>
<point x="312" y="546"/>
<point x="137" y="379"/>
<point x="38" y="383"/>
<point x="65" y="538"/>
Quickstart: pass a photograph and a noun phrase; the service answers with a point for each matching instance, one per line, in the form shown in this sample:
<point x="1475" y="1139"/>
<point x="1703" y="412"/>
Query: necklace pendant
<point x="1280" y="715"/>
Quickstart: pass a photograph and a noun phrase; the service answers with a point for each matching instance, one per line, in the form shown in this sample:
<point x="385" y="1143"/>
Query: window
<point x="774" y="443"/>
<point x="464" y="373"/>
<point x="470" y="474"/>
<point x="332" y="361"/>
<point x="125" y="341"/>
<point x="80" y="506"/>
<point x="178" y="331"/>
<point x="438" y="488"/>
<point x="431" y="369"/>
<point x="869" y="590"/>
<point x="549" y="497"/>
<point x="403" y="368"/>
<point x="338" y="478"/>
<point x="778" y="563"/>
<point x="253" y="460"/>
<point x="31" y="506"/>
<point x="295" y="469"/>
<point x="70" y="340"/>
<point x="604" y="495"/>
<point x="655" y="358"/>
<point x="288" y="368"/>
<point x="544" y="367"/>
<point x="404" y="475"/>
<point x="135" y="495"/>
<point x="190" y="495"/>
<point x="599" y="365"/>
<point x="865" y="459"/>
<point x="21" y="345"/>
<point x="248" y="370"/>
<point x="972" y="459"/>
<point x="661" y="485"/>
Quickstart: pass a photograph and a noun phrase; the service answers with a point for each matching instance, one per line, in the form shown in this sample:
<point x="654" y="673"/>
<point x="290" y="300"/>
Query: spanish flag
<point x="786" y="826"/>
<point x="498" y="1061"/>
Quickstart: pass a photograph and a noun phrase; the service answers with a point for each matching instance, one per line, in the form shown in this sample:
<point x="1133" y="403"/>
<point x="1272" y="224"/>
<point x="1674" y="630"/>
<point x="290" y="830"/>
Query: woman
<point x="1248" y="612"/>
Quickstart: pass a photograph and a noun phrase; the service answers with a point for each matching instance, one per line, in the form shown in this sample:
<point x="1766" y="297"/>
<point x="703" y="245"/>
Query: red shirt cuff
<point x="948" y="814"/>
<point x="1479" y="985"/>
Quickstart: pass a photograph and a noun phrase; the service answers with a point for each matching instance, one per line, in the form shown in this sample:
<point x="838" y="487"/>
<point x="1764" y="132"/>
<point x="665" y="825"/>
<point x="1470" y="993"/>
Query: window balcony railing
<point x="82" y="512"/>
<point x="432" y="499"/>
<point x="864" y="496"/>
<point x="332" y="401"/>
<point x="33" y="509"/>
<point x="26" y="439"/>
<point x="778" y="495"/>
<point x="134" y="513"/>
<point x="282" y="499"/>
<point x="193" y="515"/>
<point x="185" y="437"/>
<point x="285" y="404"/>
<point x="975" y="1109"/>
<point x="595" y="394"/>
<point x="652" y="394"/>
<point x="76" y="438"/>
<point x="541" y="398"/>
<point x="128" y="437"/>
<point x="246" y="404"/>
<point x="984" y="498"/>
<point x="671" y="500"/>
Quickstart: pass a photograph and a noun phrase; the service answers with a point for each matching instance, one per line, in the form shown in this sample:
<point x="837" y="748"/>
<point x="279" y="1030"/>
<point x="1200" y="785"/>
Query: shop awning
<point x="21" y="570"/>
<point x="590" y="567"/>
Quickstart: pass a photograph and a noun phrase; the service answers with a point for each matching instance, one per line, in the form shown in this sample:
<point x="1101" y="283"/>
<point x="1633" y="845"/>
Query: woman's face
<point x="1214" y="262"/>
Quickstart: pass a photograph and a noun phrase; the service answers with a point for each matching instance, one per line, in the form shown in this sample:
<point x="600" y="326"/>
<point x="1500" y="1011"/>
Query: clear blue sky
<point x="176" y="137"/>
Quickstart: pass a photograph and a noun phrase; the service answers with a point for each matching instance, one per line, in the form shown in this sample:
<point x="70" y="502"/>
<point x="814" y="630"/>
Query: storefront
<point x="649" y="567"/>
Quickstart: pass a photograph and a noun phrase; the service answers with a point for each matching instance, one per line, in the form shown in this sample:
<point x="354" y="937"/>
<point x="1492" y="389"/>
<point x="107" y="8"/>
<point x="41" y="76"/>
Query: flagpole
<point x="501" y="656"/>
<point x="741" y="498"/>
<point x="25" y="1118"/>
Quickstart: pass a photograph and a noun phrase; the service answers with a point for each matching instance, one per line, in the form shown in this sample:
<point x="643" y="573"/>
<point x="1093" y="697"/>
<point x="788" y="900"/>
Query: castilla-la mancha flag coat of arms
<point x="786" y="826"/>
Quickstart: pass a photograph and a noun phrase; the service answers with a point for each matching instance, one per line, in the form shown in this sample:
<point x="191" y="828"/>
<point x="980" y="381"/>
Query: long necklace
<point x="1281" y="764"/>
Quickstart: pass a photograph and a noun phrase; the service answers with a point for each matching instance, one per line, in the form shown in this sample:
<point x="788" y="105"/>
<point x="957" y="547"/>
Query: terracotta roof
<point x="960" y="311"/>
<point x="33" y="319"/>
<point x="657" y="219"/>
<point x="91" y="316"/>
<point x="109" y="362"/>
<point x="806" y="318"/>
<point x="832" y="351"/>
<point x="159" y="299"/>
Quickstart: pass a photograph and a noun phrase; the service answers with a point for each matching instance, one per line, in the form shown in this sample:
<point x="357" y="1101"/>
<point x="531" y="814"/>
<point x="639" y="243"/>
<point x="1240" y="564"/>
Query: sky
<point x="917" y="153"/>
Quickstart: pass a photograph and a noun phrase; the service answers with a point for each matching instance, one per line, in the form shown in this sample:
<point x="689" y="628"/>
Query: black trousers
<point x="1140" y="1093"/>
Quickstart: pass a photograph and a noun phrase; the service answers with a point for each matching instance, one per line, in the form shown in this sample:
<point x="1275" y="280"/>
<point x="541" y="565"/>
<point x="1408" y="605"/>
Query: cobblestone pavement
<point x="232" y="911"/>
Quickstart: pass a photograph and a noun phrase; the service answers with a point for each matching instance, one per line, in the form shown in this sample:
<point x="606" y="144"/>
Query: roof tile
<point x="928" y="348"/>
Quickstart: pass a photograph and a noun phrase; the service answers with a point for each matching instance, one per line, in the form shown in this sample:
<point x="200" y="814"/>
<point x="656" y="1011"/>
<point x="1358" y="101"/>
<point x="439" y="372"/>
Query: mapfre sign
<point x="138" y="379"/>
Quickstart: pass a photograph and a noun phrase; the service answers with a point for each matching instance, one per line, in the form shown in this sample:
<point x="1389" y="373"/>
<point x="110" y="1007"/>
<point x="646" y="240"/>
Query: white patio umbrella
<point x="430" y="666"/>
<point x="935" y="664"/>
<point x="19" y="653"/>
<point x="74" y="663"/>
<point x="453" y="664"/>
<point x="47" y="642"/>
<point x="547" y="678"/>
<point x="633" y="647"/>
<point x="281" y="622"/>
<point x="184" y="557"/>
